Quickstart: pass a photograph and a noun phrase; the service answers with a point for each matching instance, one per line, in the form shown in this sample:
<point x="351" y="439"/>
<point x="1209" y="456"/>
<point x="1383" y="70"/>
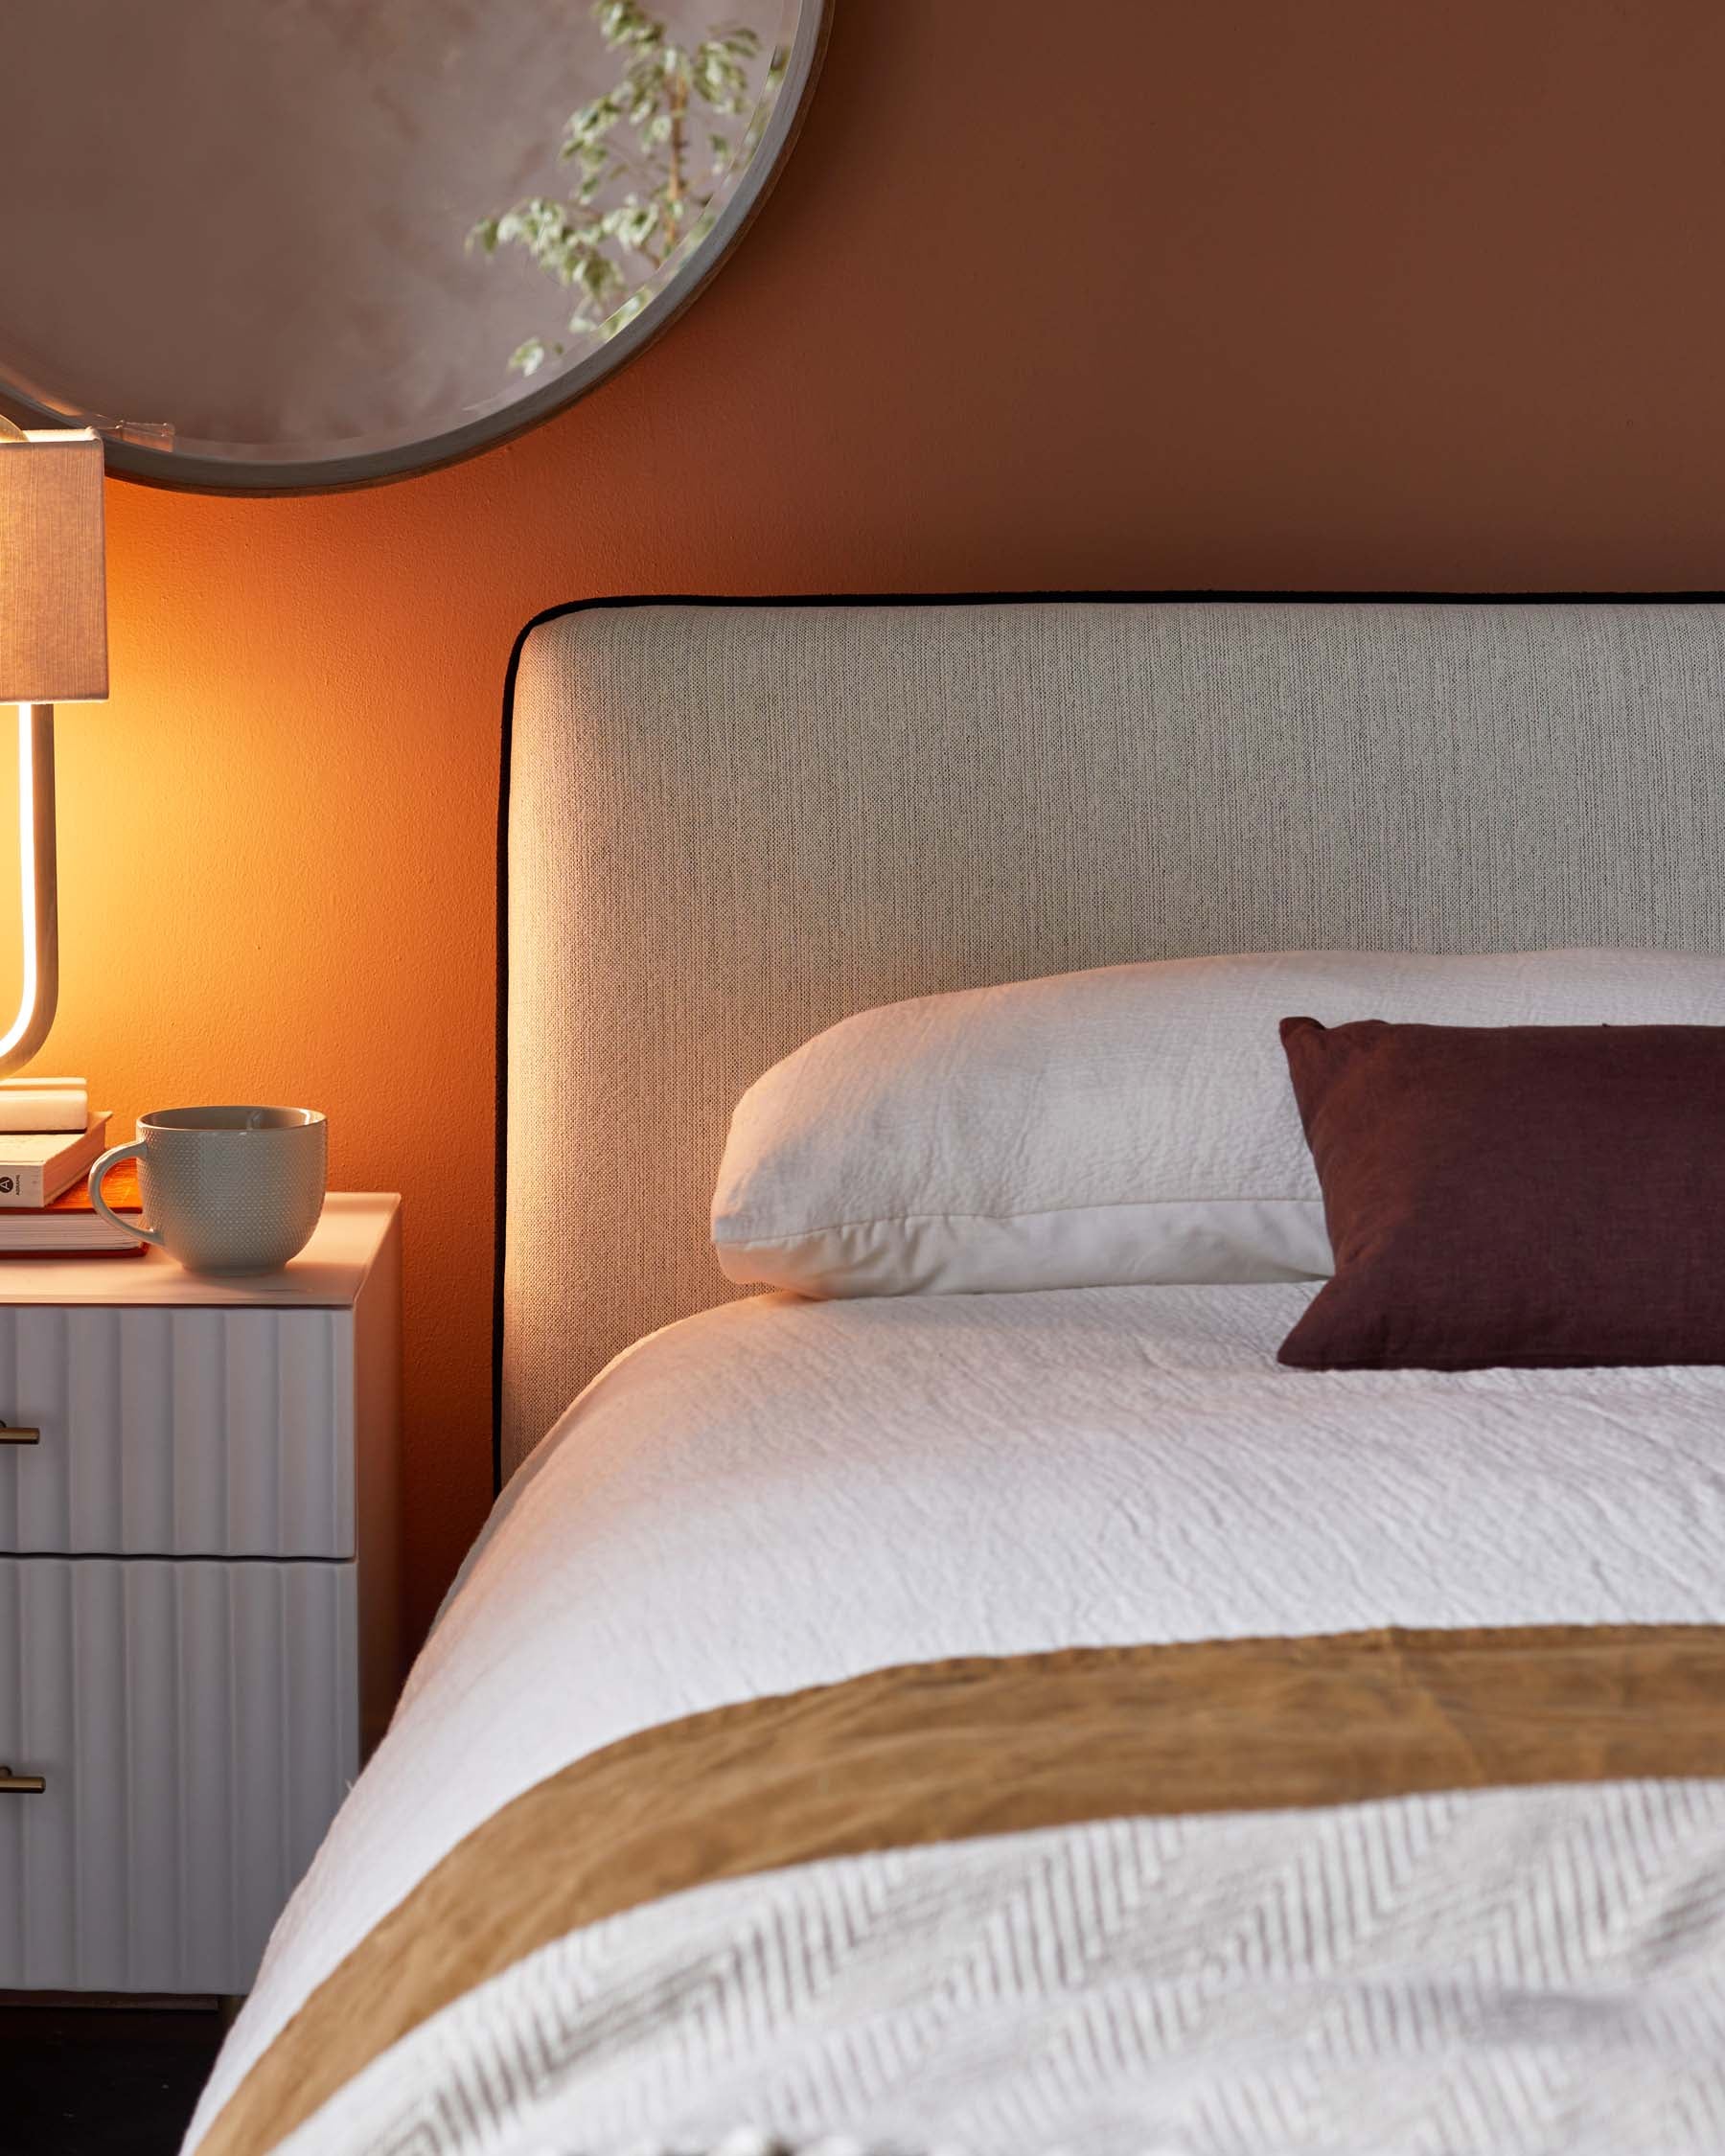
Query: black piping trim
<point x="1221" y="597"/>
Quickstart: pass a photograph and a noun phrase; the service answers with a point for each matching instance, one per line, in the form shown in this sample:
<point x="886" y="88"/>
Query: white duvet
<point x="779" y="1493"/>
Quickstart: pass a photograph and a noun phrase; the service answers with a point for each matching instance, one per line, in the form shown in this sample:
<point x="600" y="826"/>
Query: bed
<point x="1020" y="1720"/>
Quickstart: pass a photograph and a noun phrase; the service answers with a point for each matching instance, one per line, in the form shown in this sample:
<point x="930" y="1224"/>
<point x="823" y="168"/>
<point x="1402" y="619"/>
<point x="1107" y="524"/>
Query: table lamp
<point x="52" y="650"/>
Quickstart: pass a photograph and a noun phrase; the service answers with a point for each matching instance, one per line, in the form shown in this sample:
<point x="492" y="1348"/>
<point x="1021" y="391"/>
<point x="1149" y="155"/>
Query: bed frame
<point x="726" y="824"/>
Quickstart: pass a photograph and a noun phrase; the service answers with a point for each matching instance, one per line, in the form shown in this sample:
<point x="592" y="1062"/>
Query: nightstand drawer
<point x="209" y="1431"/>
<point x="195" y="1725"/>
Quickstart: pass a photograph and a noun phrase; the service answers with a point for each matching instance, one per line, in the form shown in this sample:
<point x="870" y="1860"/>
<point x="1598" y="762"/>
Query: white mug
<point x="233" y="1189"/>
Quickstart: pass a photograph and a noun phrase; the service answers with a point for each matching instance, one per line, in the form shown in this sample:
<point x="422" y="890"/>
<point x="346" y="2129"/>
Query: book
<point x="35" y="1168"/>
<point x="44" y="1104"/>
<point x="72" y="1225"/>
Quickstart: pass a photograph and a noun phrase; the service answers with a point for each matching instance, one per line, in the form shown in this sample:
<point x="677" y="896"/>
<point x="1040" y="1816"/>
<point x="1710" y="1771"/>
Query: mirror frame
<point x="374" y="468"/>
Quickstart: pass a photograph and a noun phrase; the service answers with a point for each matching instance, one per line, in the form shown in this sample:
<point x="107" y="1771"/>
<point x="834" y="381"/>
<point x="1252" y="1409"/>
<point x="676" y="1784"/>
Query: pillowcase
<point x="1132" y="1124"/>
<point x="1535" y="1197"/>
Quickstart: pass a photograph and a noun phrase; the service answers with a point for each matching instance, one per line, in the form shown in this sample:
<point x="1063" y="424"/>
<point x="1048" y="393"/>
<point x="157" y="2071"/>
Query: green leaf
<point x="639" y="201"/>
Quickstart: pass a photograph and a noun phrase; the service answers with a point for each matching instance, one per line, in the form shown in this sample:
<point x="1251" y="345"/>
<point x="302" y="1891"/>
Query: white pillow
<point x="1135" y="1124"/>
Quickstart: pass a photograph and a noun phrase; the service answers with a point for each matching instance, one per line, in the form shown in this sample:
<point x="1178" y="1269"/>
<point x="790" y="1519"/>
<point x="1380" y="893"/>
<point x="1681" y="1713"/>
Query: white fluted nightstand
<point x="197" y="1596"/>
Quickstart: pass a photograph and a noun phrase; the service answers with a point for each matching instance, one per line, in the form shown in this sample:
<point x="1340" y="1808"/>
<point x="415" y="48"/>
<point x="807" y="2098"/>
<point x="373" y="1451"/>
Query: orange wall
<point x="1236" y="294"/>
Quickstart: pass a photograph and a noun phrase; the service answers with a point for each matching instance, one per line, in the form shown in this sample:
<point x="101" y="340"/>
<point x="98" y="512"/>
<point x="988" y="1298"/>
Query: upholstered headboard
<point x="728" y="824"/>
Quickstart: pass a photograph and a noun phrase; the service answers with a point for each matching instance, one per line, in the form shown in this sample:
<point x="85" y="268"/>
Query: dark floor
<point x="101" y="2081"/>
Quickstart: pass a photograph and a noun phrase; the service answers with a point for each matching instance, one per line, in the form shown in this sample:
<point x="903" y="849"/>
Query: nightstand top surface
<point x="327" y="1273"/>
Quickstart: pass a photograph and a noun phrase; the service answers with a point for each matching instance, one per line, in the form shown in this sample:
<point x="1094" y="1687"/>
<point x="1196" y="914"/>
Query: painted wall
<point x="1225" y="295"/>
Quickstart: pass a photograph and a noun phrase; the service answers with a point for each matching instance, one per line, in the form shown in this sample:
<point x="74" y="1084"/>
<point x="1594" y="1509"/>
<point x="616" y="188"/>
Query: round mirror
<point x="320" y="242"/>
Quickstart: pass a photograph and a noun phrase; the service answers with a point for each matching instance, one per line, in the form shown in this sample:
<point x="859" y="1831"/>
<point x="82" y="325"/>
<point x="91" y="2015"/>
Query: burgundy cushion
<point x="1541" y="1196"/>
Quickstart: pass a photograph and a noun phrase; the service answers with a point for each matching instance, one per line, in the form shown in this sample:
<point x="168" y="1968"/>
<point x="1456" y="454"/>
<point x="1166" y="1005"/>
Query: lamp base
<point x="44" y="1104"/>
<point x="39" y="888"/>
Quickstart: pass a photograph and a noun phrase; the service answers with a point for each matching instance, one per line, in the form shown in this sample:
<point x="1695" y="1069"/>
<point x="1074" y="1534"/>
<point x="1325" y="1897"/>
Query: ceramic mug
<point x="225" y="1189"/>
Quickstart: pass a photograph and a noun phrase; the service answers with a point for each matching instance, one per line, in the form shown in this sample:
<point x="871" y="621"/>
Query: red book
<point x="72" y="1225"/>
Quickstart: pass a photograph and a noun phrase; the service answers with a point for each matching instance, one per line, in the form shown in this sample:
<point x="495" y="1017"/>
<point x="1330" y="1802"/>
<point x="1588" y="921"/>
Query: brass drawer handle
<point x="19" y="1434"/>
<point x="20" y="1785"/>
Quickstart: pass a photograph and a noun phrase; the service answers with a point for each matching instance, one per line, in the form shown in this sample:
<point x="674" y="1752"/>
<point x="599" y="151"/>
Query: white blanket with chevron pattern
<point x="1535" y="1971"/>
<point x="777" y="1495"/>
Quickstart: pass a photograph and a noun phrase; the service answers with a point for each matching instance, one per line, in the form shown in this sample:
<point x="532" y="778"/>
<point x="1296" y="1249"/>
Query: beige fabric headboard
<point x="727" y="825"/>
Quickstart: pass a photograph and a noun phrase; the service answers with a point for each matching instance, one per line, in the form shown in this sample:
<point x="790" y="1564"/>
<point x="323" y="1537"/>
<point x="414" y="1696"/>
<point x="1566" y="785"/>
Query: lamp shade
<point x="53" y="589"/>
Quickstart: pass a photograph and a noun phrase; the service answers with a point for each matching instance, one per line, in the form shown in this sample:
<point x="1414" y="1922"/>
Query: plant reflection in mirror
<point x="668" y="100"/>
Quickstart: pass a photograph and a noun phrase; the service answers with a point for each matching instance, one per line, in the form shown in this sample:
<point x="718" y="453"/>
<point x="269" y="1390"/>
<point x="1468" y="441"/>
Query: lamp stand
<point x="39" y="888"/>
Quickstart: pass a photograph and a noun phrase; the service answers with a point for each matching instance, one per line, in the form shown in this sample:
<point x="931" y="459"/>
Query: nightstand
<point x="197" y="1596"/>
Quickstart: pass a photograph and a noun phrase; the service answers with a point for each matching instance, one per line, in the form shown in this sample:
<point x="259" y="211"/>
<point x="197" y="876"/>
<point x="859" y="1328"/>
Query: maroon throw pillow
<point x="1535" y="1196"/>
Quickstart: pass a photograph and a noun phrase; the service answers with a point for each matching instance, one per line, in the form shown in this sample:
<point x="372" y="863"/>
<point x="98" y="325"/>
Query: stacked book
<point x="47" y="1142"/>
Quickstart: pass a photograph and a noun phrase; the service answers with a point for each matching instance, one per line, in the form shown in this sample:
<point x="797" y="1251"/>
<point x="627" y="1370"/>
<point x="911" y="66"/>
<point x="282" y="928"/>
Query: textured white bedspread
<point x="779" y="1493"/>
<point x="1526" y="1972"/>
